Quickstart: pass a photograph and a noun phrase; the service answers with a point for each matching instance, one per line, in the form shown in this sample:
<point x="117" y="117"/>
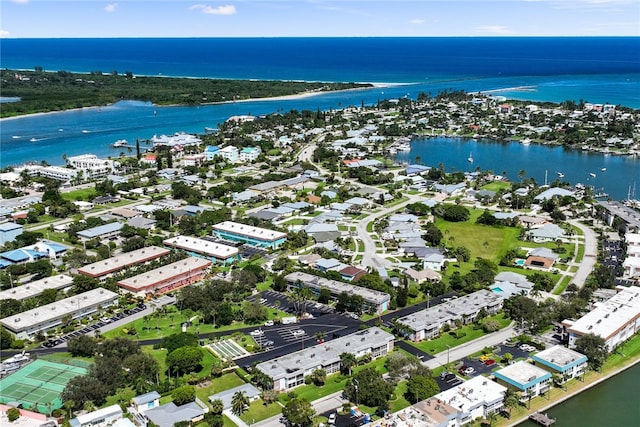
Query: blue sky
<point x="317" y="18"/>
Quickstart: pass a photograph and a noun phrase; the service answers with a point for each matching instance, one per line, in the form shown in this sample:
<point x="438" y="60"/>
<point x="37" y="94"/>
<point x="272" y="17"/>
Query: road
<point x="590" y="254"/>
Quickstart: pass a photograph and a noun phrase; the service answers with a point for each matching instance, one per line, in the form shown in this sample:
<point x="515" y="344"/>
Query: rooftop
<point x="336" y="287"/>
<point x="150" y="278"/>
<point x="202" y="246"/>
<point x="55" y="310"/>
<point x="470" y="394"/>
<point x="559" y="357"/>
<point x="124" y="260"/>
<point x="325" y="353"/>
<point x="35" y="288"/>
<point x="249" y="231"/>
<point x="522" y="374"/>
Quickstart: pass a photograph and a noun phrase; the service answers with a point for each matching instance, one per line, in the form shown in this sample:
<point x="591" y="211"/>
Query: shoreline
<point x="291" y="97"/>
<point x="575" y="393"/>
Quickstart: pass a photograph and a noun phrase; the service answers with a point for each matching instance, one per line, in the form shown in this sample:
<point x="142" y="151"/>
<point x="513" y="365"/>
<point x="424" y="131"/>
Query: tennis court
<point x="38" y="385"/>
<point x="227" y="349"/>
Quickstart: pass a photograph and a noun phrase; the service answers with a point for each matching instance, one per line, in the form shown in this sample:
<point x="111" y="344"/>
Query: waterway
<point x="541" y="162"/>
<point x="613" y="402"/>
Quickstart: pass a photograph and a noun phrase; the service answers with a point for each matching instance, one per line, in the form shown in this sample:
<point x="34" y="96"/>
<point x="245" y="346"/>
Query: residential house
<point x="169" y="414"/>
<point x="9" y="231"/>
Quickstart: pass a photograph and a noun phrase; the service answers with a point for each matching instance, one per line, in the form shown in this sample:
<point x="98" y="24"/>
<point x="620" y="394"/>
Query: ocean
<point x="598" y="70"/>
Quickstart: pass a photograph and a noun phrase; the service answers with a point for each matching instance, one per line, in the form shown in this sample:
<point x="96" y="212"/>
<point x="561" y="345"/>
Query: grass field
<point x="558" y="290"/>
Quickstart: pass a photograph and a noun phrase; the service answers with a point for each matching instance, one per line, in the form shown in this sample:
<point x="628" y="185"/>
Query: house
<point x="250" y="154"/>
<point x="542" y="258"/>
<point x="226" y="396"/>
<point x="210" y="152"/>
<point x="102" y="417"/>
<point x="546" y="233"/>
<point x="169" y="414"/>
<point x="351" y="273"/>
<point x="322" y="232"/>
<point x="433" y="261"/>
<point x="425" y="275"/>
<point x="324" y="264"/>
<point x="525" y="377"/>
<point x="9" y="231"/>
<point x="551" y="193"/>
<point x="101" y="232"/>
<point x="562" y="361"/>
<point x="229" y="153"/>
<point x="146" y="401"/>
<point x="508" y="284"/>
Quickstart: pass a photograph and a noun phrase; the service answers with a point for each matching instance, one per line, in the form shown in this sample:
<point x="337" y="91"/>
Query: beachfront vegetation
<point x="41" y="91"/>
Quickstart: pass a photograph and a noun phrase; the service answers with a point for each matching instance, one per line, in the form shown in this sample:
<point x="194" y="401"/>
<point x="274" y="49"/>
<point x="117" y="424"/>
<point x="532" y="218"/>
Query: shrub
<point x="13" y="414"/>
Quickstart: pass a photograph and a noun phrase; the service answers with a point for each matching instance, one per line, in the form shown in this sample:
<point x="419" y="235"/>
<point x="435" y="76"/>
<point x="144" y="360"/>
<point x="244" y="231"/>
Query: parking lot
<point x="105" y="320"/>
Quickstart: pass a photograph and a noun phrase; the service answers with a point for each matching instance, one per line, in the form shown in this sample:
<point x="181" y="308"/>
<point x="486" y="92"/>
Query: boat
<point x="33" y="140"/>
<point x="85" y="131"/>
<point x="603" y="169"/>
<point x="121" y="143"/>
<point x="560" y="174"/>
<point x="16" y="137"/>
<point x="470" y="158"/>
<point x="525" y="141"/>
<point x="592" y="175"/>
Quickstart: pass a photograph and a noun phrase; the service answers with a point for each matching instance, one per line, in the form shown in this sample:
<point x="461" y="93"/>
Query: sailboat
<point x="470" y="159"/>
<point x="592" y="175"/>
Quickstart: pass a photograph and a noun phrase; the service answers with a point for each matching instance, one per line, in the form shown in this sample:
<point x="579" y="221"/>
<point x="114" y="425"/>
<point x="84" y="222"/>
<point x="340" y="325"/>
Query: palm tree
<point x="299" y="296"/>
<point x="239" y="403"/>
<point x="217" y="406"/>
<point x="347" y="361"/>
<point x="511" y="402"/>
<point x="68" y="405"/>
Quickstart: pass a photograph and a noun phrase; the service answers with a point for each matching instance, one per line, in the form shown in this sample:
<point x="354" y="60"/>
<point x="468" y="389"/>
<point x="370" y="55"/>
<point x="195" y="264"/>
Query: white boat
<point x="121" y="143"/>
<point x="560" y="174"/>
<point x="16" y="137"/>
<point x="470" y="158"/>
<point x="592" y="175"/>
<point x="85" y="131"/>
<point x="33" y="140"/>
<point x="525" y="141"/>
<point x="603" y="169"/>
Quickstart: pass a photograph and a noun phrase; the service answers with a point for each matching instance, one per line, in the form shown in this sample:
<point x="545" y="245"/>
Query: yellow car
<point x="484" y="358"/>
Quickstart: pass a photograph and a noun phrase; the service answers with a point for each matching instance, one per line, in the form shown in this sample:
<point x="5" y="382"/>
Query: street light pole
<point x="448" y="348"/>
<point x="355" y="386"/>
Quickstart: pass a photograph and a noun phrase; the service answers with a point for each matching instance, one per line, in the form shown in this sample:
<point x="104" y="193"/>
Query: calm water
<point x="613" y="403"/>
<point x="535" y="160"/>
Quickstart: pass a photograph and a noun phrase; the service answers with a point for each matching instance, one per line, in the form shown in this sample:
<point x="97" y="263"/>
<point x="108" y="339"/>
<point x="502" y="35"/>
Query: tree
<point x="299" y="412"/>
<point x="319" y="376"/>
<point x="456" y="213"/>
<point x="420" y="388"/>
<point x="68" y="405"/>
<point x="5" y="338"/>
<point x="239" y="403"/>
<point x="594" y="347"/>
<point x="13" y="414"/>
<point x="82" y="283"/>
<point x="182" y="339"/>
<point x="184" y="359"/>
<point x="347" y="361"/>
<point x="82" y="345"/>
<point x="141" y="366"/>
<point x="490" y="325"/>
<point x="369" y="388"/>
<point x="184" y="394"/>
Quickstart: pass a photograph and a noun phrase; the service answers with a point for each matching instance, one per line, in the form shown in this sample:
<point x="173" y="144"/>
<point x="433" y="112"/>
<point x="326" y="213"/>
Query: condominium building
<point x="427" y="323"/>
<point x="254" y="236"/>
<point x="214" y="252"/>
<point x="525" y="377"/>
<point x="562" y="361"/>
<point x="168" y="278"/>
<point x="108" y="267"/>
<point x="289" y="371"/>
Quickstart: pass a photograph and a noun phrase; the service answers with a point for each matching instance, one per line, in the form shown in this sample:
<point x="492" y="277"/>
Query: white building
<point x="525" y="377"/>
<point x="290" y="370"/>
<point x="35" y="288"/>
<point x="476" y="398"/>
<point x="561" y="360"/>
<point x="26" y="324"/>
<point x="631" y="264"/>
<point x="229" y="153"/>
<point x="193" y="159"/>
<point x="615" y="320"/>
<point x="91" y="165"/>
<point x="102" y="417"/>
<point x="250" y="154"/>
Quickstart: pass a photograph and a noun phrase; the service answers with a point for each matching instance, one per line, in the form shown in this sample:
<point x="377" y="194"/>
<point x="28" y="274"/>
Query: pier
<point x="542" y="419"/>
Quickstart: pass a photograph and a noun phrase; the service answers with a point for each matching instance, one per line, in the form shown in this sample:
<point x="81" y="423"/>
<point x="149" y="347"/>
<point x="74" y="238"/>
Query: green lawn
<point x="259" y="411"/>
<point x="216" y="385"/>
<point x="580" y="254"/>
<point x="83" y="194"/>
<point x="496" y="186"/>
<point x="562" y="286"/>
<point x="472" y="332"/>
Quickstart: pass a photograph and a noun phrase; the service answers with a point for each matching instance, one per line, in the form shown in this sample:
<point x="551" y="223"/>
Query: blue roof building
<point x="9" y="231"/>
<point x="102" y="232"/>
<point x="211" y="151"/>
<point x="19" y="256"/>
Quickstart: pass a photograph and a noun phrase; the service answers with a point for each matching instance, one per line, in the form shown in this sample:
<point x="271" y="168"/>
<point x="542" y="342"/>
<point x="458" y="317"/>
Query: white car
<point x="332" y="418"/>
<point x="268" y="323"/>
<point x="256" y="333"/>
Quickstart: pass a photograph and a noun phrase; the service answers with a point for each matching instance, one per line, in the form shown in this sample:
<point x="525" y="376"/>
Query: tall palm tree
<point x="347" y="361"/>
<point x="299" y="296"/>
<point x="239" y="403"/>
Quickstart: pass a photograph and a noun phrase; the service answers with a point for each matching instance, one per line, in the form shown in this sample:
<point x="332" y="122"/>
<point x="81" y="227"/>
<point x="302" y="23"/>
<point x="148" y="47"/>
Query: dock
<point x="542" y="419"/>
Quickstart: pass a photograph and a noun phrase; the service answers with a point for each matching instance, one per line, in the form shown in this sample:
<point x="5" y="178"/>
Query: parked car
<point x="489" y="362"/>
<point x="268" y="323"/>
<point x="256" y="333"/>
<point x="332" y="418"/>
<point x="466" y="370"/>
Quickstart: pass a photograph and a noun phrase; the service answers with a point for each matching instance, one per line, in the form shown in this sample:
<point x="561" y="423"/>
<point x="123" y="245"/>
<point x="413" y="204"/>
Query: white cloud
<point x="210" y="10"/>
<point x="111" y="7"/>
<point x="20" y="1"/>
<point x="4" y="34"/>
<point x="493" y="29"/>
<point x="416" y="21"/>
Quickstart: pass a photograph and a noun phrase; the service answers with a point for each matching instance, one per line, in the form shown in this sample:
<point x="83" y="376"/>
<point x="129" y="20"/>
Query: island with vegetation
<point x="40" y="91"/>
